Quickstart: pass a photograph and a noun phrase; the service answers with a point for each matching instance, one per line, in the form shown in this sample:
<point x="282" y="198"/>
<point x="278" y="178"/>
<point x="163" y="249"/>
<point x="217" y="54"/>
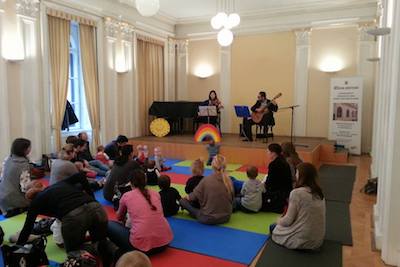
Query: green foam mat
<point x="14" y="224"/>
<point x="243" y="176"/>
<point x="254" y="222"/>
<point x="229" y="167"/>
<point x="179" y="187"/>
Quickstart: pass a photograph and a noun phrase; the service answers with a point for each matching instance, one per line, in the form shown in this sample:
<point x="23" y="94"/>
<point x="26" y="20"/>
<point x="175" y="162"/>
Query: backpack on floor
<point x="30" y="255"/>
<point x="371" y="187"/>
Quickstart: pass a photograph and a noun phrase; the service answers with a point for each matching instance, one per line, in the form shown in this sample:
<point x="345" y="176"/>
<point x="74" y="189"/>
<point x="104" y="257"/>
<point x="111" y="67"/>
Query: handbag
<point x="31" y="254"/>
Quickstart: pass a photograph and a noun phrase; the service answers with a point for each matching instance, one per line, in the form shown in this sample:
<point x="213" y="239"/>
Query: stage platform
<point x="184" y="147"/>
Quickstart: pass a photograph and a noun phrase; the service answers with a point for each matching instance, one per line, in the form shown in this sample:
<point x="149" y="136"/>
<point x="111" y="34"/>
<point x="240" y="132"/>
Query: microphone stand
<point x="291" y="123"/>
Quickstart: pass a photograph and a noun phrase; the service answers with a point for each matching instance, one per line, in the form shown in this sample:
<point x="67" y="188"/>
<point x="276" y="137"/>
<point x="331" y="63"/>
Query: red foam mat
<point x="180" y="258"/>
<point x="177" y="178"/>
<point x="111" y="214"/>
<point x="261" y="169"/>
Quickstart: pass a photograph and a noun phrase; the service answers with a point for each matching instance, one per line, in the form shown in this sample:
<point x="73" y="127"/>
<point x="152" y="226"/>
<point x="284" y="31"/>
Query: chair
<point x="263" y="131"/>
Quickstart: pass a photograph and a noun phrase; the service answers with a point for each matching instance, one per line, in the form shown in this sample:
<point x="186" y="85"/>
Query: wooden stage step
<point x="310" y="149"/>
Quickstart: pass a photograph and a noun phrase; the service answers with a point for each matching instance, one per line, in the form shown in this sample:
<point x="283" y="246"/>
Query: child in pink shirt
<point x="150" y="231"/>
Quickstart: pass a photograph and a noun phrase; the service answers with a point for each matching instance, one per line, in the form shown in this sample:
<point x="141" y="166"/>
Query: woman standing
<point x="279" y="181"/>
<point x="303" y="226"/>
<point x="213" y="101"/>
<point x="215" y="195"/>
<point x="15" y="177"/>
<point x="150" y="231"/>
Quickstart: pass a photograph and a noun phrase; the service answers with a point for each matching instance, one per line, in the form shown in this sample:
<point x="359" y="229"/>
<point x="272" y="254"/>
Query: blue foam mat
<point x="100" y="198"/>
<point x="216" y="241"/>
<point x="187" y="170"/>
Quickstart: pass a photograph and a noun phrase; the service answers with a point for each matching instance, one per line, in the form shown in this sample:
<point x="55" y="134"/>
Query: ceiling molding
<point x="158" y="25"/>
<point x="286" y="21"/>
<point x="299" y="8"/>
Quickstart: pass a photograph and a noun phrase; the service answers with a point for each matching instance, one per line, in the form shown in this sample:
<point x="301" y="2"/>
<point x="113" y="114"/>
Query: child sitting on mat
<point x="102" y="156"/>
<point x="213" y="150"/>
<point x="169" y="196"/>
<point x="142" y="154"/>
<point x="152" y="173"/>
<point x="159" y="159"/>
<point x="251" y="193"/>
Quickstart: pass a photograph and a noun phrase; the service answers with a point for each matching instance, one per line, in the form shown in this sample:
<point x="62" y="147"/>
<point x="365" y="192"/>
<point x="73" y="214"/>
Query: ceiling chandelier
<point x="148" y="8"/>
<point x="225" y="20"/>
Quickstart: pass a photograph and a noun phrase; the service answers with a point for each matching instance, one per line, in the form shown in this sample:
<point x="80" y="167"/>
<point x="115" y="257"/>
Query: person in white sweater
<point x="303" y="225"/>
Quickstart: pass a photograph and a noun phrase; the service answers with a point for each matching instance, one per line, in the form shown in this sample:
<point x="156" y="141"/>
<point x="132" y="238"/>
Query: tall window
<point x="76" y="89"/>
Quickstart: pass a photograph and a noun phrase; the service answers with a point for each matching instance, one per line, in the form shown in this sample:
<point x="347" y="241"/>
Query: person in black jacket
<point x="113" y="149"/>
<point x="77" y="210"/>
<point x="262" y="104"/>
<point x="279" y="181"/>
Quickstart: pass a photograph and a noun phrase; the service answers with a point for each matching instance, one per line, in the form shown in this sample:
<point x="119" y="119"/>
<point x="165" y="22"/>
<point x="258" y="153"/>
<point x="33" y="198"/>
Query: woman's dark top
<point x="278" y="185"/>
<point x="119" y="175"/>
<point x="112" y="150"/>
<point x="57" y="201"/>
<point x="86" y="155"/>
<point x="192" y="182"/>
<point x="169" y="201"/>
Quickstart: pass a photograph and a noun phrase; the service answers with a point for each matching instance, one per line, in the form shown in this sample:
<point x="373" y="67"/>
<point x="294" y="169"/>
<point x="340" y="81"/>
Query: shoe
<point x="247" y="140"/>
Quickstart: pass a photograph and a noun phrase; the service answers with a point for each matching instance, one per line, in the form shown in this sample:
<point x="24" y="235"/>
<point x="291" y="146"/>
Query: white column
<point x="31" y="93"/>
<point x="110" y="85"/>
<point x="391" y="197"/>
<point x="366" y="69"/>
<point x="182" y="70"/>
<point x="225" y="85"/>
<point x="4" y="115"/>
<point x="171" y="90"/>
<point x="129" y="83"/>
<point x="301" y="82"/>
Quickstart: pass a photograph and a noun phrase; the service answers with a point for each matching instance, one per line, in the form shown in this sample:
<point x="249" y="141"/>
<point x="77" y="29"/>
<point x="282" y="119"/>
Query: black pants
<point x="88" y="217"/>
<point x="119" y="235"/>
<point x="247" y="124"/>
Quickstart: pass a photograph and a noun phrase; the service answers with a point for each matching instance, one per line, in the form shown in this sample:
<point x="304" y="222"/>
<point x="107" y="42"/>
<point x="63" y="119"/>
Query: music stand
<point x="242" y="111"/>
<point x="207" y="111"/>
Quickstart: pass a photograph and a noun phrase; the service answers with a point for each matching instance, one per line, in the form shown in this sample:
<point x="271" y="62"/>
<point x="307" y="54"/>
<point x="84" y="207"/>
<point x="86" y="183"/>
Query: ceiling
<point x="182" y="10"/>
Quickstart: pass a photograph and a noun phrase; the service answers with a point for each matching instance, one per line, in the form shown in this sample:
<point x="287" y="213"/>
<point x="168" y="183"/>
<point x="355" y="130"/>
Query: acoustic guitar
<point x="257" y="116"/>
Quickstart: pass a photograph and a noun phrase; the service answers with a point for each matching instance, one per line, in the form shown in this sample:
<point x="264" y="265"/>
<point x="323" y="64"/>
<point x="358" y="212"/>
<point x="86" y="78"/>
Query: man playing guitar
<point x="262" y="113"/>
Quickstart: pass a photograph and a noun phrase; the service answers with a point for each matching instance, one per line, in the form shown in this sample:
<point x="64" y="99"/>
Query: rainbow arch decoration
<point x="207" y="130"/>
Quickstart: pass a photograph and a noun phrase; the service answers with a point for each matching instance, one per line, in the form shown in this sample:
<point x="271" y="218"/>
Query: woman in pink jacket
<point x="150" y="231"/>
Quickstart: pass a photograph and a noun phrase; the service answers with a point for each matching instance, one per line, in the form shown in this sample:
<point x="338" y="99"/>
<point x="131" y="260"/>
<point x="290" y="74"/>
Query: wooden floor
<point x="361" y="253"/>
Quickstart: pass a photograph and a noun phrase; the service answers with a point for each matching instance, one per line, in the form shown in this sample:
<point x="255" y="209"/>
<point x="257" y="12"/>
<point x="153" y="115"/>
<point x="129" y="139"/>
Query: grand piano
<point x="175" y="112"/>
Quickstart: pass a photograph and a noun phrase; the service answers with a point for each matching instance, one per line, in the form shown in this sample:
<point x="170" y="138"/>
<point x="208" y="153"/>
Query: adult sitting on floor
<point x="94" y="165"/>
<point x="121" y="173"/>
<point x="77" y="210"/>
<point x="303" y="225"/>
<point x="113" y="149"/>
<point x="292" y="158"/>
<point x="14" y="177"/>
<point x="150" y="231"/>
<point x="62" y="167"/>
<point x="215" y="195"/>
<point x="279" y="181"/>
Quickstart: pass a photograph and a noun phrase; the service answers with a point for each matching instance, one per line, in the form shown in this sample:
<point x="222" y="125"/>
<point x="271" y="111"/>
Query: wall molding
<point x="28" y="8"/>
<point x="286" y="20"/>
